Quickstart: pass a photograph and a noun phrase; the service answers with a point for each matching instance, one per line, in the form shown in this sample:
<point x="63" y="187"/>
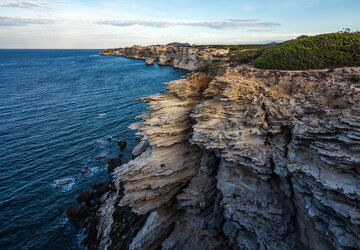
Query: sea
<point x="58" y="109"/>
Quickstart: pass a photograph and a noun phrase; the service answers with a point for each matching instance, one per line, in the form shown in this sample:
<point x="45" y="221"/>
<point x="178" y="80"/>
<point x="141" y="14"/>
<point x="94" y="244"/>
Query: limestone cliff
<point x="251" y="159"/>
<point x="184" y="57"/>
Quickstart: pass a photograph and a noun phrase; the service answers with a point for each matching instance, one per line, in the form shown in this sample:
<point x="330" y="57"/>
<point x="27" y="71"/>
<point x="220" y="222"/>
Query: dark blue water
<point x="57" y="108"/>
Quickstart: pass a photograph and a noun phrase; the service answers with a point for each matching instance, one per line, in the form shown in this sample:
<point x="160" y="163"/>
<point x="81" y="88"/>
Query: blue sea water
<point x="57" y="108"/>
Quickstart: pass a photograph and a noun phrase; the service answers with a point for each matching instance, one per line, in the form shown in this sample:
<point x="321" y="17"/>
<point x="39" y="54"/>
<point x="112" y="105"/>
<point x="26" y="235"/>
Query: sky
<point x="85" y="24"/>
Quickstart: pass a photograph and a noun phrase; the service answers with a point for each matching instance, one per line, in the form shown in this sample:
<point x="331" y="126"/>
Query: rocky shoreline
<point x="246" y="159"/>
<point x="179" y="56"/>
<point x="102" y="200"/>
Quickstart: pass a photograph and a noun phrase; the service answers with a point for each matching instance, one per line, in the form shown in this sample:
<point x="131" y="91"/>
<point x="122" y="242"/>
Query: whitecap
<point x="102" y="115"/>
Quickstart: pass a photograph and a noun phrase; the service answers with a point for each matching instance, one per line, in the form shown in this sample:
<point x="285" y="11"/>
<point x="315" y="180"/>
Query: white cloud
<point x="21" y="21"/>
<point x="26" y="4"/>
<point x="214" y="24"/>
<point x="234" y="23"/>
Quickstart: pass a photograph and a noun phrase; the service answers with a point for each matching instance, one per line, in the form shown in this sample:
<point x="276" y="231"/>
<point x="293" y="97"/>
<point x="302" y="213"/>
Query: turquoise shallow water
<point x="57" y="108"/>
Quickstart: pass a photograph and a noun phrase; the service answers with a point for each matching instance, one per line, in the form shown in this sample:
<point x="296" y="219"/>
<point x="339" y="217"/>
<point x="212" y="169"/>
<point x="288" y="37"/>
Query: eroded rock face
<point x="149" y="61"/>
<point x="289" y="144"/>
<point x="252" y="159"/>
<point x="184" y="57"/>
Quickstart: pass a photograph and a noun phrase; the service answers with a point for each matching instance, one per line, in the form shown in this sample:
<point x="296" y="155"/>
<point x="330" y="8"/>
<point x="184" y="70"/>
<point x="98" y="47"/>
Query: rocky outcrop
<point x="139" y="149"/>
<point x="109" y="225"/>
<point x="251" y="159"/>
<point x="149" y="61"/>
<point x="177" y="55"/>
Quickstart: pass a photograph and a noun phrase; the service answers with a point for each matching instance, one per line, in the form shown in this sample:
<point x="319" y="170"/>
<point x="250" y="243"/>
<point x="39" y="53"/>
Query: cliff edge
<point x="177" y="55"/>
<point x="245" y="158"/>
<point x="250" y="159"/>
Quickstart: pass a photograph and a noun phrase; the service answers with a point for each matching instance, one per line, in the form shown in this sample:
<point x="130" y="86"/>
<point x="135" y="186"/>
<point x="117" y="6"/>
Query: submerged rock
<point x="85" y="196"/>
<point x="122" y="144"/>
<point x="63" y="182"/>
<point x="139" y="149"/>
<point x="85" y="171"/>
<point x="113" y="163"/>
<point x="77" y="212"/>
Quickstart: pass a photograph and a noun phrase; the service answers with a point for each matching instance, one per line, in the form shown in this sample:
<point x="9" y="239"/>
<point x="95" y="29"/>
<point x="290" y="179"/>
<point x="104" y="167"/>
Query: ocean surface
<point x="57" y="109"/>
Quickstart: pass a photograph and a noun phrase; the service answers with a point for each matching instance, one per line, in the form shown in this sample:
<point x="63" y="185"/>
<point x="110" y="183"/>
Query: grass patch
<point x="313" y="52"/>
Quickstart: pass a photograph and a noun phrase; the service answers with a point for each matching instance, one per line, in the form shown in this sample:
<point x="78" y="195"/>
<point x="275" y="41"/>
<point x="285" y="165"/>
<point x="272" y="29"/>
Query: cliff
<point x="179" y="56"/>
<point x="251" y="159"/>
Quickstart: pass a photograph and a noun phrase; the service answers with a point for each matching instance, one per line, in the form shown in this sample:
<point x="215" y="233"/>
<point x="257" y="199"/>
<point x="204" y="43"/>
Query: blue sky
<point x="108" y="24"/>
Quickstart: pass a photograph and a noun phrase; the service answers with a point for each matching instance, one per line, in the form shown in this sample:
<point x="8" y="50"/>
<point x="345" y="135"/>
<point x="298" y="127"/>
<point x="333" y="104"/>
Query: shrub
<point x="314" y="52"/>
<point x="354" y="78"/>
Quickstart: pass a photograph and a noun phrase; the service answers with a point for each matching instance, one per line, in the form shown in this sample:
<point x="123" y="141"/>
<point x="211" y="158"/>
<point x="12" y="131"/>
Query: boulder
<point x="113" y="163"/>
<point x="99" y="158"/>
<point x="149" y="61"/>
<point x="122" y="144"/>
<point x="77" y="212"/>
<point x="102" y="190"/>
<point x="140" y="148"/>
<point x="97" y="186"/>
<point x="85" y="196"/>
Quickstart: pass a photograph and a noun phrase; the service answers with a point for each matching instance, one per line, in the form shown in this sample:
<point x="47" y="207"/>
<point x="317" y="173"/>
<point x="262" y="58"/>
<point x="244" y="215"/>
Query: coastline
<point x="242" y="144"/>
<point x="183" y="57"/>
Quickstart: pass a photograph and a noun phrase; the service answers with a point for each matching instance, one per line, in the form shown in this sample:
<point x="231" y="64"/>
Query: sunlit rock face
<point x="252" y="159"/>
<point x="289" y="144"/>
<point x="184" y="57"/>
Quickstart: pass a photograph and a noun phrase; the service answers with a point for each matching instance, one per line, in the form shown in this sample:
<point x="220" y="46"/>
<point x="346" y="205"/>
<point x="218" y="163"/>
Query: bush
<point x="354" y="78"/>
<point x="314" y="52"/>
<point x="213" y="67"/>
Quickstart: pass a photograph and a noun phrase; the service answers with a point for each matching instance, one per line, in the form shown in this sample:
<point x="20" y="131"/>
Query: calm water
<point x="57" y="108"/>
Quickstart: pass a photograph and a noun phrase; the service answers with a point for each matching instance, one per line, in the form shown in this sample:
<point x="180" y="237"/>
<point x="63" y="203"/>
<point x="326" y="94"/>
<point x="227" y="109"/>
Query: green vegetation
<point x="247" y="47"/>
<point x="238" y="47"/>
<point x="354" y="78"/>
<point x="314" y="52"/>
<point x="214" y="67"/>
<point x="246" y="53"/>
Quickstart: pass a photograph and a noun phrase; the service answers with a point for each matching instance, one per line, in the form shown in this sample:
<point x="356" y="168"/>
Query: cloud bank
<point x="233" y="23"/>
<point x="21" y="21"/>
<point x="25" y="4"/>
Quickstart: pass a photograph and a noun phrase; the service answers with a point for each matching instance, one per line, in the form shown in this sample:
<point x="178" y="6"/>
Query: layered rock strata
<point x="184" y="57"/>
<point x="251" y="159"/>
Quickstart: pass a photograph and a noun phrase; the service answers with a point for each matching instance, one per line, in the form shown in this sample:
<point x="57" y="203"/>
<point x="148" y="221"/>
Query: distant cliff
<point x="184" y="57"/>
